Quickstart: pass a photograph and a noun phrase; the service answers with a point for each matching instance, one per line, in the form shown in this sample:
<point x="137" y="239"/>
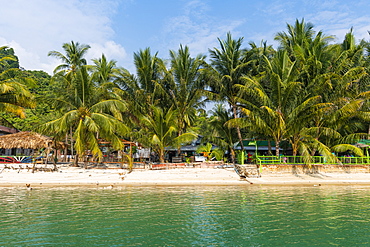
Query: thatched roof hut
<point x="26" y="139"/>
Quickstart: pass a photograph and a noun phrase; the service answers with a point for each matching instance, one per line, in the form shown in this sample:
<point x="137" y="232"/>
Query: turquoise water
<point x="186" y="216"/>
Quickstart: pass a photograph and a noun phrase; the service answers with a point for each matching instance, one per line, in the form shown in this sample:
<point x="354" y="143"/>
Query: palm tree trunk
<point x="277" y="148"/>
<point x="232" y="152"/>
<point x="269" y="147"/>
<point x="161" y="156"/>
<point x="238" y="129"/>
<point x="179" y="148"/>
<point x="66" y="149"/>
<point x="55" y="161"/>
<point x="71" y="139"/>
<point x="76" y="161"/>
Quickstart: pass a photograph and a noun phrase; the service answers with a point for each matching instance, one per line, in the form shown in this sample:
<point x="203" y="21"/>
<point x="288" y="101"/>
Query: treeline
<point x="310" y="92"/>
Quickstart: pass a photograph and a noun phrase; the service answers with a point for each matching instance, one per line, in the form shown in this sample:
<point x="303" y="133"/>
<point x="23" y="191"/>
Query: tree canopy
<point x="309" y="91"/>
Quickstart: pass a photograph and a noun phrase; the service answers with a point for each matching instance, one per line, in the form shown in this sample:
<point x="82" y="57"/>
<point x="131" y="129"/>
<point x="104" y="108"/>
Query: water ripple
<point x="188" y="216"/>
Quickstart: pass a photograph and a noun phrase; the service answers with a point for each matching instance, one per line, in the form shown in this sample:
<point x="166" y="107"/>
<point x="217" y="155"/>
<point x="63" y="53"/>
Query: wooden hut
<point x="29" y="140"/>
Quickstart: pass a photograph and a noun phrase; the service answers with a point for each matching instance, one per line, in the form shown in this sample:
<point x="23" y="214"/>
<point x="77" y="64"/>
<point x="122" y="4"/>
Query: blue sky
<point x="118" y="28"/>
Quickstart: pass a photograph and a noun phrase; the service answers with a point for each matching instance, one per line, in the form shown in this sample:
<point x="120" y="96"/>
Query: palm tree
<point x="185" y="86"/>
<point x="223" y="136"/>
<point x="255" y="55"/>
<point x="105" y="75"/>
<point x="88" y="117"/>
<point x="64" y="74"/>
<point x="161" y="131"/>
<point x="143" y="90"/>
<point x="298" y="35"/>
<point x="73" y="58"/>
<point x="229" y="65"/>
<point x="14" y="94"/>
<point x="279" y="107"/>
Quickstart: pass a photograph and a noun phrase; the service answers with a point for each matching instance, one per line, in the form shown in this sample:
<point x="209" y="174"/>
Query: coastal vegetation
<point x="309" y="91"/>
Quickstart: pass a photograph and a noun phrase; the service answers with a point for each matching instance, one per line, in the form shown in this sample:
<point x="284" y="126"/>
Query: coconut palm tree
<point x="14" y="94"/>
<point x="88" y="117"/>
<point x="73" y="58"/>
<point x="222" y="135"/>
<point x="184" y="86"/>
<point x="161" y="131"/>
<point x="143" y="90"/>
<point x="273" y="109"/>
<point x="229" y="65"/>
<point x="105" y="75"/>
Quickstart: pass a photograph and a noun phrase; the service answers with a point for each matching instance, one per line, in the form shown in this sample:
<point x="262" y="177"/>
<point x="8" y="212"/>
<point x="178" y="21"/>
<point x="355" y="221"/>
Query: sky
<point x="119" y="28"/>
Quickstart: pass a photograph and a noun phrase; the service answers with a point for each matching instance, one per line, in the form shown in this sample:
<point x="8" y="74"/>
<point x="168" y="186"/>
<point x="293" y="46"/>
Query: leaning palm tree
<point x="88" y="117"/>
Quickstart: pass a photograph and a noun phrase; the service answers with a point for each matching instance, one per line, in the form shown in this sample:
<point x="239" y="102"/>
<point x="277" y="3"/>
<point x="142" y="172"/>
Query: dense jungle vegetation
<point x="309" y="91"/>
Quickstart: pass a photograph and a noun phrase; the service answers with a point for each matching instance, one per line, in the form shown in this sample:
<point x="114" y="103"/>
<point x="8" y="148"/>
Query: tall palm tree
<point x="88" y="117"/>
<point x="64" y="75"/>
<point x="105" y="75"/>
<point x="185" y="86"/>
<point x="73" y="58"/>
<point x="229" y="64"/>
<point x="299" y="34"/>
<point x="276" y="109"/>
<point x="143" y="90"/>
<point x="255" y="54"/>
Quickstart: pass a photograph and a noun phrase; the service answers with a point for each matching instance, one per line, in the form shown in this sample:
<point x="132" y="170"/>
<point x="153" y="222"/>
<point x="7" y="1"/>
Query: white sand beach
<point x="71" y="176"/>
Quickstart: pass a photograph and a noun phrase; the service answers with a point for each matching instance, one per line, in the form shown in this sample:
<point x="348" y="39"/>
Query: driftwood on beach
<point x="246" y="171"/>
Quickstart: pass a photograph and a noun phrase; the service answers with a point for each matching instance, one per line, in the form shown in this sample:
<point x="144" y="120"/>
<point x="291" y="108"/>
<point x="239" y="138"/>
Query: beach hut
<point x="29" y="140"/>
<point x="26" y="139"/>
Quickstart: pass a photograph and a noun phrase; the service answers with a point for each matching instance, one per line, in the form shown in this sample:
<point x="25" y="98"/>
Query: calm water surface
<point x="186" y="216"/>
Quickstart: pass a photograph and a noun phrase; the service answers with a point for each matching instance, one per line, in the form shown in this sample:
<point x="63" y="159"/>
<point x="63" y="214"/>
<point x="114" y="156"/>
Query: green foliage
<point x="8" y="59"/>
<point x="310" y="92"/>
<point x="210" y="153"/>
<point x="161" y="131"/>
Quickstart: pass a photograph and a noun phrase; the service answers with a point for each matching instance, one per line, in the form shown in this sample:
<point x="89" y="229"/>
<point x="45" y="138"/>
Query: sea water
<point x="186" y="216"/>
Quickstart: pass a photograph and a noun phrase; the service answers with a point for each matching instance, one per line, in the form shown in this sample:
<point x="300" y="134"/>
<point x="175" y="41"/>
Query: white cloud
<point x="33" y="28"/>
<point x="196" y="29"/>
<point x="339" y="23"/>
<point x="110" y="49"/>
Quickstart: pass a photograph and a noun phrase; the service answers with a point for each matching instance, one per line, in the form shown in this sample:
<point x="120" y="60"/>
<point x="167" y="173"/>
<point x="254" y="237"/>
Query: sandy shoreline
<point x="70" y="176"/>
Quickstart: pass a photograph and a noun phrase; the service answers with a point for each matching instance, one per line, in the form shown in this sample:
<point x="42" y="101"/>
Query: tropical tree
<point x="105" y="74"/>
<point x="88" y="117"/>
<point x="222" y="135"/>
<point x="8" y="58"/>
<point x="184" y="86"/>
<point x="161" y="131"/>
<point x="210" y="153"/>
<point x="73" y="58"/>
<point x="229" y="65"/>
<point x="255" y="57"/>
<point x="143" y="90"/>
<point x="14" y="93"/>
<point x="276" y="108"/>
